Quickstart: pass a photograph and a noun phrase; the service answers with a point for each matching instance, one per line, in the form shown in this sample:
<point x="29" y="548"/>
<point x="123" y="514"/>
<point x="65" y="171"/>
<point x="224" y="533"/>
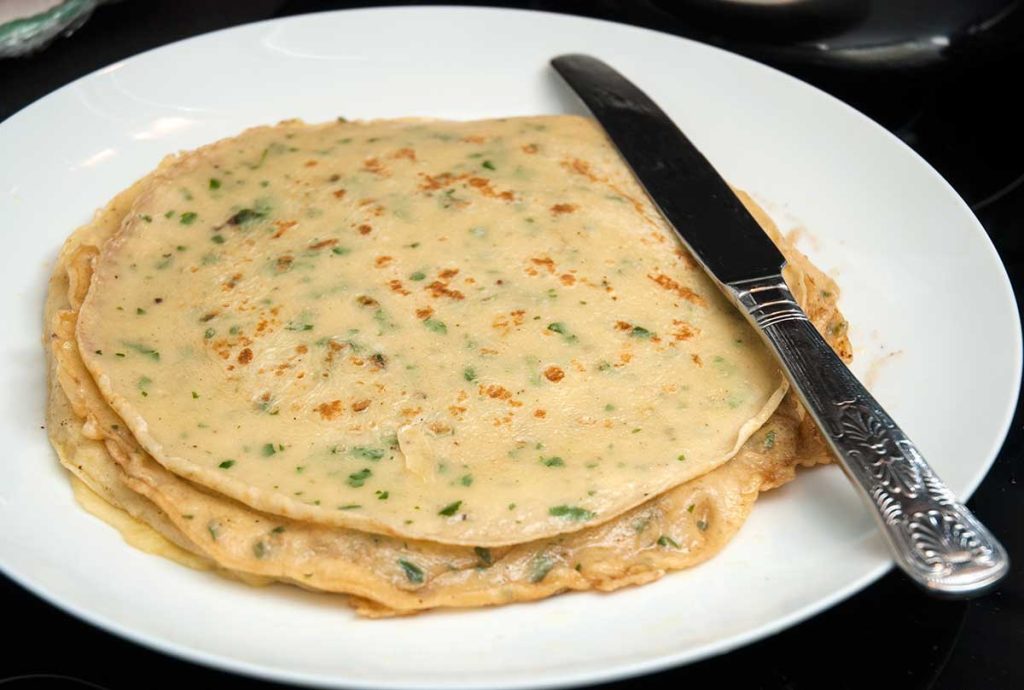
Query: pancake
<point x="678" y="529"/>
<point x="474" y="333"/>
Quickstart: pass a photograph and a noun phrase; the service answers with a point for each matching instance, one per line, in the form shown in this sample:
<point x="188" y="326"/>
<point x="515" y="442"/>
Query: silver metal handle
<point x="933" y="537"/>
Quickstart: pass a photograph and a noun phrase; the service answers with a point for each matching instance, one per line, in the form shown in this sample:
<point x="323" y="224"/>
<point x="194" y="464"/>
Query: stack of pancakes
<point x="421" y="363"/>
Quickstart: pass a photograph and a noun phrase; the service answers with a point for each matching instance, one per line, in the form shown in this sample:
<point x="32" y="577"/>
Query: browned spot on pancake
<point x="540" y="414"/>
<point x="495" y="391"/>
<point x="283" y="263"/>
<point x="483" y="185"/>
<point x="382" y="261"/>
<point x="374" y="166"/>
<point x="329" y="410"/>
<point x="232" y="281"/>
<point x="301" y="349"/>
<point x="365" y="229"/>
<point x="323" y="243"/>
<point x="406" y="153"/>
<point x="283" y="226"/>
<point x="367" y="301"/>
<point x="339" y="193"/>
<point x="474" y="139"/>
<point x="697" y="360"/>
<point x="686" y="293"/>
<point x="448" y="273"/>
<point x="245" y="356"/>
<point x="424" y="313"/>
<point x="456" y="411"/>
<point x="683" y="331"/>
<point x="434" y="182"/>
<point x="360" y="405"/>
<point x="582" y="167"/>
<point x="396" y="286"/>
<point x="530" y="148"/>
<point x="567" y="279"/>
<point x="623" y="325"/>
<point x="545" y="261"/>
<point x="560" y="209"/>
<point x="439" y="289"/>
<point x="311" y="164"/>
<point x="554" y="374"/>
<point x="440" y="428"/>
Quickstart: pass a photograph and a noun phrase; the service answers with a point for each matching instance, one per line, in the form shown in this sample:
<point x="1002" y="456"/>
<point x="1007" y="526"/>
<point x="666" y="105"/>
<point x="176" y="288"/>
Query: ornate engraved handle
<point x="933" y="537"/>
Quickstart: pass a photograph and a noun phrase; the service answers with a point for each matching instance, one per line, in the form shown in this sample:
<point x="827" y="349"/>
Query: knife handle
<point x="934" y="538"/>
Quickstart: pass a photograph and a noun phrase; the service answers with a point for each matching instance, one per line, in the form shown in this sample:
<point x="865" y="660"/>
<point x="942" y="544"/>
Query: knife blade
<point x="932" y="537"/>
<point x="684" y="186"/>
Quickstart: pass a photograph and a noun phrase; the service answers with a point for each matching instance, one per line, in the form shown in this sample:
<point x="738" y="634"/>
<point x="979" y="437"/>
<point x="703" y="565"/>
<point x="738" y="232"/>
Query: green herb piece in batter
<point x="357" y="479"/>
<point x="412" y="571"/>
<point x="450" y="509"/>
<point x="574" y="513"/>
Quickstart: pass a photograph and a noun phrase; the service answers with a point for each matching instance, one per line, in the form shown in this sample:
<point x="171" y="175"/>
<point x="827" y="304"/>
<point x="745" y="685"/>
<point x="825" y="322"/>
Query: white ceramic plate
<point x="920" y="279"/>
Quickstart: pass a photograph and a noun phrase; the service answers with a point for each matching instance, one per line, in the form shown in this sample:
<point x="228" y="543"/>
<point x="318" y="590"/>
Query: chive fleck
<point x="450" y="509"/>
<point x="469" y="373"/>
<point x="145" y="350"/>
<point x="188" y="217"/>
<point x="484" y="555"/>
<point x="436" y="326"/>
<point x="540" y="567"/>
<point x="412" y="571"/>
<point x="246" y="216"/>
<point x="571" y="513"/>
<point x="367" y="453"/>
<point x="267" y="450"/>
<point x="666" y="541"/>
<point x="214" y="183"/>
<point x="553" y="461"/>
<point x="357" y="479"/>
<point x="226" y="464"/>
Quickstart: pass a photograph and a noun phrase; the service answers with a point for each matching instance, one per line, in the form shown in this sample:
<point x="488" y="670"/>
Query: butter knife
<point x="933" y="538"/>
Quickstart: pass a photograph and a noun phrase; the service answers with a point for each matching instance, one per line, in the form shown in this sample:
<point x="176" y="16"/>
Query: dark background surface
<point x="955" y="100"/>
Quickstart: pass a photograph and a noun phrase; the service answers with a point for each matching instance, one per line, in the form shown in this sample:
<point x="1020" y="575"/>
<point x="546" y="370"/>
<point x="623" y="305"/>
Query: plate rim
<point x="555" y="678"/>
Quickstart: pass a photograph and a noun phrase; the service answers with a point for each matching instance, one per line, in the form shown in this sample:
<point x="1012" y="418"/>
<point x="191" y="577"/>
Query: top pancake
<point x="472" y="333"/>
